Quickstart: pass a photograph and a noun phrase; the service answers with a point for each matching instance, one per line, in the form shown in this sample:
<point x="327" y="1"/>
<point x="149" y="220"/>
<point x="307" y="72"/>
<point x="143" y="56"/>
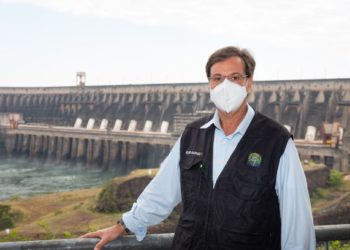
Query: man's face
<point x="231" y="67"/>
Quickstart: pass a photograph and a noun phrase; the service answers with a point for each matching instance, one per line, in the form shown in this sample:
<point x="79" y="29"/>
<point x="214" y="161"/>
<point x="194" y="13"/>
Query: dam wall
<point x="153" y="108"/>
<point x="91" y="148"/>
<point x="298" y="103"/>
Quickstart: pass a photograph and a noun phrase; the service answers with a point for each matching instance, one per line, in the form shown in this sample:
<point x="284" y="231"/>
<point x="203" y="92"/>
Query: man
<point x="237" y="173"/>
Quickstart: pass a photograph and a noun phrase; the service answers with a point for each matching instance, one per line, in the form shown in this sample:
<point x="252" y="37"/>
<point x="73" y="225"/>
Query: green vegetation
<point x="46" y="227"/>
<point x="335" y="178"/>
<point x="57" y="215"/>
<point x="336" y="245"/>
<point x="67" y="235"/>
<point x="12" y="236"/>
<point x="107" y="199"/>
<point x="71" y="214"/>
<point x="14" y="197"/>
<point x="311" y="165"/>
<point x="6" y="221"/>
<point x="335" y="182"/>
<point x="319" y="194"/>
<point x="119" y="194"/>
<point x="8" y="217"/>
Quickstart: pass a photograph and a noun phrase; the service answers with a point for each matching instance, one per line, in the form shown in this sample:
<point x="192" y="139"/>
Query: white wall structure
<point x="91" y="123"/>
<point x="148" y="126"/>
<point x="341" y="133"/>
<point x="164" y="127"/>
<point x="288" y="127"/>
<point x="78" y="123"/>
<point x="117" y="125"/>
<point x="132" y="125"/>
<point x="80" y="79"/>
<point x="310" y="133"/>
<point x="104" y="124"/>
<point x="6" y="117"/>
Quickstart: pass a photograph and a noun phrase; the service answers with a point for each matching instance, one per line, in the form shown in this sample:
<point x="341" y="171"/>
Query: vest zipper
<point x="207" y="224"/>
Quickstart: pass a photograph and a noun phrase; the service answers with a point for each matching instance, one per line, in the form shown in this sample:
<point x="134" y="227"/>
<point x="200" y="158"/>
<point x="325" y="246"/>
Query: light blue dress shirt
<point x="164" y="192"/>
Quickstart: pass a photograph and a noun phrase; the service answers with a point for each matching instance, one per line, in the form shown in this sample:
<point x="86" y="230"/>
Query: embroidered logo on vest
<point x="254" y="160"/>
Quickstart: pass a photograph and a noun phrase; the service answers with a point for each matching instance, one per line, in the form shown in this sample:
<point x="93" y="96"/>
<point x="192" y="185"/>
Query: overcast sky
<point x="45" y="42"/>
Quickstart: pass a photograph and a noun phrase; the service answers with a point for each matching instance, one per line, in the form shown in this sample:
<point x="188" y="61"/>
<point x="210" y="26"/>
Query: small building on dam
<point x="136" y="125"/>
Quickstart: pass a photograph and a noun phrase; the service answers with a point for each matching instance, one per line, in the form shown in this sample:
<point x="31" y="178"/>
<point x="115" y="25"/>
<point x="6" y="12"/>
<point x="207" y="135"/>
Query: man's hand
<point x="106" y="235"/>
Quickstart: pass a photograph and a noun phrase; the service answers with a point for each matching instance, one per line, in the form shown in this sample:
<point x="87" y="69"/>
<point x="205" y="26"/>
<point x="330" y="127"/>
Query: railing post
<point x="325" y="245"/>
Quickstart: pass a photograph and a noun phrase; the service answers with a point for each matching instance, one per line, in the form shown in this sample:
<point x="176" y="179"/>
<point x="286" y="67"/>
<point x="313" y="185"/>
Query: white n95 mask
<point x="228" y="96"/>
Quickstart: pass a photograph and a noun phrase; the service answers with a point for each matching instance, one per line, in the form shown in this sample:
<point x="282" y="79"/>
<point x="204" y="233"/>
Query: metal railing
<point x="328" y="233"/>
<point x="154" y="241"/>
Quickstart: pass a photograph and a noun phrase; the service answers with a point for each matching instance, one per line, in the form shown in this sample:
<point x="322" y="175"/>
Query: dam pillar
<point x="45" y="146"/>
<point x="261" y="102"/>
<point x="113" y="153"/>
<point x="90" y="151"/>
<point x="132" y="152"/>
<point x="59" y="148"/>
<point x="124" y="152"/>
<point x="74" y="148"/>
<point x="106" y="153"/>
<point x="97" y="151"/>
<point x="18" y="143"/>
<point x="38" y="146"/>
<point x="51" y="151"/>
<point x="32" y="146"/>
<point x="303" y="114"/>
<point x="25" y="145"/>
<point x="66" y="148"/>
<point x="10" y="143"/>
<point x="81" y="150"/>
<point x="140" y="149"/>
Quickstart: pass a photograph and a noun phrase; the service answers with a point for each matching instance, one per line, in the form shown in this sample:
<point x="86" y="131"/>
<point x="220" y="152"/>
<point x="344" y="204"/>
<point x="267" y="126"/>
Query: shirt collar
<point x="242" y="127"/>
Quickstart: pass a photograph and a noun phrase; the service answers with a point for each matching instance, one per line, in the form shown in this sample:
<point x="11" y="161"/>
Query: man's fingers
<point x="106" y="235"/>
<point x="91" y="235"/>
<point x="101" y="244"/>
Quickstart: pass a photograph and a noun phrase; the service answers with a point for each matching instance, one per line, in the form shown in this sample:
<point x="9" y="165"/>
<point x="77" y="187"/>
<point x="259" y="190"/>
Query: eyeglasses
<point x="235" y="78"/>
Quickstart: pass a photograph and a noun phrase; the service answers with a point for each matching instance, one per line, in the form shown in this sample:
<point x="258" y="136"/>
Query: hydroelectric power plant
<point x="136" y="125"/>
<point x="124" y="127"/>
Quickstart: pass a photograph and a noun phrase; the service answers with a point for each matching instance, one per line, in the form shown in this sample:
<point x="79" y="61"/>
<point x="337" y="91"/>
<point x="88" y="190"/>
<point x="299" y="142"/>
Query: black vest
<point x="242" y="211"/>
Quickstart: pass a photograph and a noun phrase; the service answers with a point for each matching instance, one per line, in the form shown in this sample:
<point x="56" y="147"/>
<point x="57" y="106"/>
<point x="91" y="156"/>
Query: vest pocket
<point x="232" y="239"/>
<point x="183" y="235"/>
<point x="191" y="175"/>
<point x="192" y="183"/>
<point x="247" y="190"/>
<point x="190" y="162"/>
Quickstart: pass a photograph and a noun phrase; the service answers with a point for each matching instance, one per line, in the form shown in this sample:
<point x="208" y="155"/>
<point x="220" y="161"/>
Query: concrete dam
<point x="138" y="124"/>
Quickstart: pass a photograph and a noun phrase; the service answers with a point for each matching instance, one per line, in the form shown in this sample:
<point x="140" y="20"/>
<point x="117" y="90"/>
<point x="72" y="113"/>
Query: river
<point x="20" y="177"/>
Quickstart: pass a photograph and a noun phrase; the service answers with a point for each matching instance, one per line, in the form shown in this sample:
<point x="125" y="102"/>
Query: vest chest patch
<point x="254" y="160"/>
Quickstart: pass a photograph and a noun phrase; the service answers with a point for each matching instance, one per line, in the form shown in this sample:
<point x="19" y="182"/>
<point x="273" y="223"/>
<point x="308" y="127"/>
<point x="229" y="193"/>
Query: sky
<point x="45" y="42"/>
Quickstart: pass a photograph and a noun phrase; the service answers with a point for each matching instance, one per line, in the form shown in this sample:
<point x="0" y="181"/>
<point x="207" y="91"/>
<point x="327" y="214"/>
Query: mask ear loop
<point x="247" y="68"/>
<point x="249" y="92"/>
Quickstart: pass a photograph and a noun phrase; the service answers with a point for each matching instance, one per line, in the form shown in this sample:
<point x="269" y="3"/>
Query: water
<point x="19" y="177"/>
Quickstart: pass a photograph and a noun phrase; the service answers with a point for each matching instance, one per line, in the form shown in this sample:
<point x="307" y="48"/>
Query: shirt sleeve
<point x="297" y="232"/>
<point x="159" y="198"/>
